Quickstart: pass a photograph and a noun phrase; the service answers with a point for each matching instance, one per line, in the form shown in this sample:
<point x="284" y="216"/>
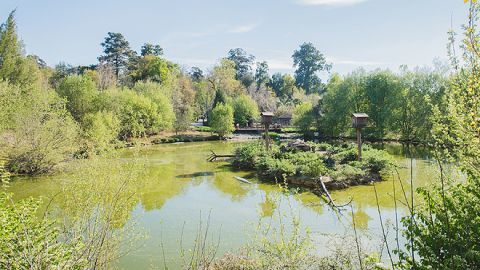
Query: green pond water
<point x="178" y="189"/>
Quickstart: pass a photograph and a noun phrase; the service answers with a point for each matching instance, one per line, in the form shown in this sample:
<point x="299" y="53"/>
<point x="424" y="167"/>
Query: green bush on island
<point x="275" y="168"/>
<point x="338" y="162"/>
<point x="290" y="130"/>
<point x="203" y="129"/>
<point x="308" y="164"/>
<point x="247" y="155"/>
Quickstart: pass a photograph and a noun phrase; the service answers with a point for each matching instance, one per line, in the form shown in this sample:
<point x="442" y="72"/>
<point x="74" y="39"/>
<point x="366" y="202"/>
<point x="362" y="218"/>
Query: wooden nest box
<point x="267" y="117"/>
<point x="359" y="120"/>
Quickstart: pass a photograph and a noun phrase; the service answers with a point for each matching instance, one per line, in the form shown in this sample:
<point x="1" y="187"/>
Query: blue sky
<point x="351" y="33"/>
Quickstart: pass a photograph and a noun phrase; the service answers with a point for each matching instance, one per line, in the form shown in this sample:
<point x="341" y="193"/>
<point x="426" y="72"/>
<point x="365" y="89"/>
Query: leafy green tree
<point x="308" y="61"/>
<point x="151" y="68"/>
<point x="150" y="49"/>
<point x="196" y="74"/>
<point x="243" y="65"/>
<point x="183" y="101"/>
<point x="223" y="78"/>
<point x="382" y="90"/>
<point x="220" y="97"/>
<point x="41" y="132"/>
<point x="421" y="88"/>
<point x="204" y="97"/>
<point x="221" y="119"/>
<point x="62" y="70"/>
<point x="101" y="130"/>
<point x="343" y="97"/>
<point x="116" y="51"/>
<point x="14" y="67"/>
<point x="288" y="88"/>
<point x="276" y="83"/>
<point x="303" y="117"/>
<point x="80" y="93"/>
<point x="39" y="61"/>
<point x="245" y="110"/>
<point x="138" y="115"/>
<point x="261" y="74"/>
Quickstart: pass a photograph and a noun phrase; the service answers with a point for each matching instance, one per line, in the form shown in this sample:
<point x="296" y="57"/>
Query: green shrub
<point x="347" y="172"/>
<point x="203" y="129"/>
<point x="323" y="147"/>
<point x="30" y="242"/>
<point x="80" y="93"/>
<point x="290" y="130"/>
<point x="273" y="135"/>
<point x="101" y="129"/>
<point x="245" y="109"/>
<point x="221" y="119"/>
<point x="274" y="169"/>
<point x="376" y="160"/>
<point x="246" y="156"/>
<point x="344" y="156"/>
<point x="43" y="135"/>
<point x="141" y="115"/>
<point x="308" y="164"/>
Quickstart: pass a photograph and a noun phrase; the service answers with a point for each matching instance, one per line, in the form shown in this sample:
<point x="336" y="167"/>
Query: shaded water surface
<point x="178" y="189"/>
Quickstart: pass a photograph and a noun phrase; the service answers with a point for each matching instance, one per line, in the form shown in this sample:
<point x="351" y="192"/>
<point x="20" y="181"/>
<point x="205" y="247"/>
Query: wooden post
<point x="359" y="143"/>
<point x="267" y="137"/>
<point x="266" y="121"/>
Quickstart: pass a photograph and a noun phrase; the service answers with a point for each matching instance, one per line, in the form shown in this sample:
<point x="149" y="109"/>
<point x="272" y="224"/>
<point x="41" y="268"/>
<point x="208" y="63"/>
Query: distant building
<point x="284" y="119"/>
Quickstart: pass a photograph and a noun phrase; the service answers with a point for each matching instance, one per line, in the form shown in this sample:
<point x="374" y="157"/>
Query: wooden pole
<point x="267" y="137"/>
<point x="359" y="144"/>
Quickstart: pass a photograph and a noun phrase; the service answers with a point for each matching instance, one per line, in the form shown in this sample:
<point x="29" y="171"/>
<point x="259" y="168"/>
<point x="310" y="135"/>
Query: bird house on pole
<point x="267" y="119"/>
<point x="359" y="121"/>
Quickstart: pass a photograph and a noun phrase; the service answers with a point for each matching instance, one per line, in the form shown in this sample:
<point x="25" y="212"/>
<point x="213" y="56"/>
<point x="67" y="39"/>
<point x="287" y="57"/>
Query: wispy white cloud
<point x="330" y="2"/>
<point x="243" y="28"/>
<point x="354" y="62"/>
<point x="280" y="64"/>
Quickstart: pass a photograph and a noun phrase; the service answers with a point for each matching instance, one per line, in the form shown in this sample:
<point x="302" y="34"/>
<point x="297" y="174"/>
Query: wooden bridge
<point x="258" y="128"/>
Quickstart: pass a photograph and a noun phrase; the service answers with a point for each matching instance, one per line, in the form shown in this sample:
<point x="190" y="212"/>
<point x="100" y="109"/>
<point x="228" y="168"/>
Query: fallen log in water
<point x="327" y="194"/>
<point x="326" y="191"/>
<point x="214" y="156"/>
<point x="242" y="180"/>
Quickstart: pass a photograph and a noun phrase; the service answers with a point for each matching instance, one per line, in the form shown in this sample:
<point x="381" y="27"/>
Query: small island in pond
<point x="308" y="165"/>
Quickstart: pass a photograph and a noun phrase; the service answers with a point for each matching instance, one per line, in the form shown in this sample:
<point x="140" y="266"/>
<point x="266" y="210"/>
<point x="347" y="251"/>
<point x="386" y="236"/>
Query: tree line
<point x="52" y="114"/>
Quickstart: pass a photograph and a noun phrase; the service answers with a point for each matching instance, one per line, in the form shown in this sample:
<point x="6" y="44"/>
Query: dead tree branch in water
<point x="214" y="156"/>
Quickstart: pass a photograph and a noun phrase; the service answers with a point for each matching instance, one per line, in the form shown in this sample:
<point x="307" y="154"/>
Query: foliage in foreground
<point x="28" y="241"/>
<point x="445" y="232"/>
<point x="88" y="233"/>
